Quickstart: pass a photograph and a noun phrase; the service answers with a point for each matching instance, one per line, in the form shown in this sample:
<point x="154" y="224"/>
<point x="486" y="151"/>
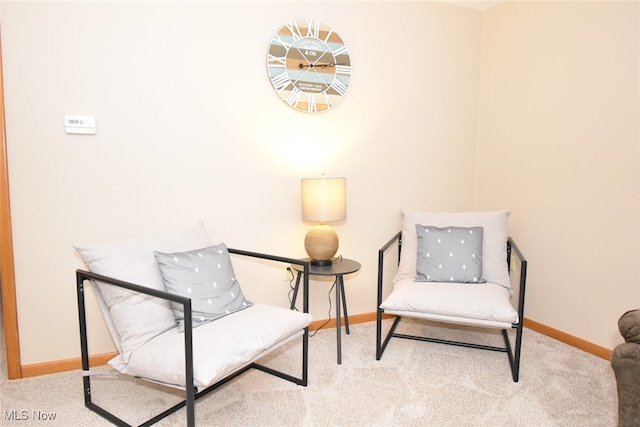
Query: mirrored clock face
<point x="309" y="65"/>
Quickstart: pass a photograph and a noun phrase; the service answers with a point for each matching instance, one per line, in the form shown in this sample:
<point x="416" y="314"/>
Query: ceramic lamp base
<point x="321" y="244"/>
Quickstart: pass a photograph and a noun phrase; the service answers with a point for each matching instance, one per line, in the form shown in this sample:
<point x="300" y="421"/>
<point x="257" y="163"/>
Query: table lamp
<point x="323" y="200"/>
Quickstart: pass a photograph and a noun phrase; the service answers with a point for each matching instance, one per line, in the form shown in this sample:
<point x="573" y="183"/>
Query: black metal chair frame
<point x="191" y="391"/>
<point x="514" y="357"/>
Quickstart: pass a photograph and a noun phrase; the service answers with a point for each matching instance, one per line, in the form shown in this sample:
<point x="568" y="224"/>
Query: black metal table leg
<point x="339" y="285"/>
<point x="344" y="306"/>
<point x="295" y="290"/>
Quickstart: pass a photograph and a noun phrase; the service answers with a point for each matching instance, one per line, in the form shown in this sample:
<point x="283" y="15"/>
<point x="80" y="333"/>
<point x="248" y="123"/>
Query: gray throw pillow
<point x="206" y="276"/>
<point x="449" y="254"/>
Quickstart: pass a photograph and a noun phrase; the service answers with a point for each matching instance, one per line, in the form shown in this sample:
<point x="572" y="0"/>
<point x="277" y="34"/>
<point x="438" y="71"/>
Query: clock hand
<point x="302" y="66"/>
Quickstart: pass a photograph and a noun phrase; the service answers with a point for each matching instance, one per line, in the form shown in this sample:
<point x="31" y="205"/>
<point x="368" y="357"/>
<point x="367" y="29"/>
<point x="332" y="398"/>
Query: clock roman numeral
<point x="276" y="61"/>
<point x="339" y="51"/>
<point x="311" y="104"/>
<point x="343" y="69"/>
<point x="326" y="39"/>
<point x="294" y="97"/>
<point x="313" y="28"/>
<point x="282" y="42"/>
<point x="280" y="81"/>
<point x="339" y="87"/>
<point x="328" y="100"/>
<point x="295" y="30"/>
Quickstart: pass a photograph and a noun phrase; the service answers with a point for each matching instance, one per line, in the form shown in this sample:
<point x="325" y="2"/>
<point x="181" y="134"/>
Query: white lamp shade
<point x="324" y="199"/>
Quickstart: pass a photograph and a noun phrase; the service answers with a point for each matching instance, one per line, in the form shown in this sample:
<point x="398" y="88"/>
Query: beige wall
<point x="558" y="143"/>
<point x="189" y="128"/>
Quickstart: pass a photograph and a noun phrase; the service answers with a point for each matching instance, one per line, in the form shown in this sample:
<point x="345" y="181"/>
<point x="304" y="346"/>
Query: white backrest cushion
<point x="494" y="243"/>
<point x="138" y="318"/>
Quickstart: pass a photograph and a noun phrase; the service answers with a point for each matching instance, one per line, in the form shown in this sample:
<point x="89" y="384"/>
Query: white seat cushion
<point x="220" y="347"/>
<point x="484" y="304"/>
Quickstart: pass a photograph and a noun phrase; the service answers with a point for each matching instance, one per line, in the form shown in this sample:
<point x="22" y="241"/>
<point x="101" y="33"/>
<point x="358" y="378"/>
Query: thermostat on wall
<point x="80" y="124"/>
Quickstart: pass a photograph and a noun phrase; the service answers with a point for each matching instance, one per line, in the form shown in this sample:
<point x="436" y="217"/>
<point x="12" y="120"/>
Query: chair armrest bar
<point x="86" y="275"/>
<point x="390" y="242"/>
<point x="287" y="260"/>
<point x="380" y="346"/>
<point x="396" y="238"/>
<point x="268" y="257"/>
<point x="512" y="247"/>
<point x="190" y="388"/>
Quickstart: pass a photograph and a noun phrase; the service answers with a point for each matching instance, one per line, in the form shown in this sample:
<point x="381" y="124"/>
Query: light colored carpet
<point x="414" y="384"/>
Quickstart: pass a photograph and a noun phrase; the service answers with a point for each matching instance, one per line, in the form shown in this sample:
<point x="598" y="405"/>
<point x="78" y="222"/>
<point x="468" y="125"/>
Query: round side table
<point x="338" y="268"/>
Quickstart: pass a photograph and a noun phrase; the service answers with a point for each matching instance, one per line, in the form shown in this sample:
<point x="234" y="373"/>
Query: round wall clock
<point x="309" y="65"/>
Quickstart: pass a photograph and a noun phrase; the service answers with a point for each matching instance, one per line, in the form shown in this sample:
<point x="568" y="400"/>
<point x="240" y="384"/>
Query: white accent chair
<point x="131" y="287"/>
<point x="439" y="278"/>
